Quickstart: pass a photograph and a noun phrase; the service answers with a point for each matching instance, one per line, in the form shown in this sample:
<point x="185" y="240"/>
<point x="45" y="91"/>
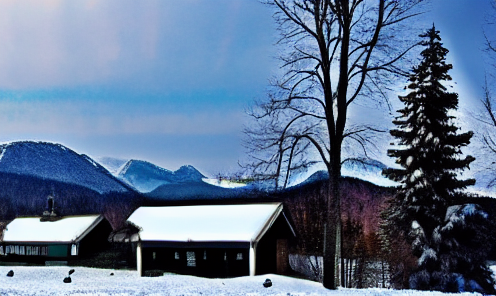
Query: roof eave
<point x="89" y="229"/>
<point x="267" y="225"/>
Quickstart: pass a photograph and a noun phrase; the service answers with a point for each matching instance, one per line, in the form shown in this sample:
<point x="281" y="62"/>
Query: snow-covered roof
<point x="240" y="223"/>
<point x="64" y="230"/>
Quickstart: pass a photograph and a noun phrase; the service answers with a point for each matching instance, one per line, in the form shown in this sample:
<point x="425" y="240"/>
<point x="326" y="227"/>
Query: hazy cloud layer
<point x="166" y="80"/>
<point x="87" y="118"/>
<point x="143" y="44"/>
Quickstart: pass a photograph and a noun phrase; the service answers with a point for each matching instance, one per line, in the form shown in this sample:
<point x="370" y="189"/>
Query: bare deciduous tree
<point x="487" y="116"/>
<point x="333" y="53"/>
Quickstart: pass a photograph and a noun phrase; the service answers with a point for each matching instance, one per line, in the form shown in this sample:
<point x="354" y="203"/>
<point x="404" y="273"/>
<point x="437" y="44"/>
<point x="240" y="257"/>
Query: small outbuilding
<point x="213" y="240"/>
<point x="38" y="239"/>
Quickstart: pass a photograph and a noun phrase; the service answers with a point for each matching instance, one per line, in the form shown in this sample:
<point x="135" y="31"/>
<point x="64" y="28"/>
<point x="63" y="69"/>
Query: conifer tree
<point x="429" y="152"/>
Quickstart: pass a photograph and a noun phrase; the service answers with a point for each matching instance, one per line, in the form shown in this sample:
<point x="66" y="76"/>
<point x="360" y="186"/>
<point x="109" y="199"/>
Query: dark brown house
<point x="213" y="240"/>
<point x="34" y="239"/>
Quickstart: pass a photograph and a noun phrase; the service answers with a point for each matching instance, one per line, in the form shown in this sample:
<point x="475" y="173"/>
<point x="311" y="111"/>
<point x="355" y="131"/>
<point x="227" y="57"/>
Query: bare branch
<point x="331" y="47"/>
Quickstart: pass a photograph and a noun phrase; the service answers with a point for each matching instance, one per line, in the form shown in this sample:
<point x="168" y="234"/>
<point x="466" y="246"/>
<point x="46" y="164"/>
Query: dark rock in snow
<point x="71" y="271"/>
<point x="267" y="283"/>
<point x="67" y="280"/>
<point x="111" y="273"/>
<point x="10" y="273"/>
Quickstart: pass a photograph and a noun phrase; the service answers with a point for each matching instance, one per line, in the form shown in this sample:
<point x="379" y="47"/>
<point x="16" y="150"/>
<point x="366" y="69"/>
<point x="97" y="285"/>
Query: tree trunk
<point x="343" y="284"/>
<point x="350" y="274"/>
<point x="331" y="231"/>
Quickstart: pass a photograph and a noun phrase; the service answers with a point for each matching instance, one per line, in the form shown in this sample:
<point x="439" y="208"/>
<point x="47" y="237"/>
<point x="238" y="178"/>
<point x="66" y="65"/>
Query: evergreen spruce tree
<point x="429" y="153"/>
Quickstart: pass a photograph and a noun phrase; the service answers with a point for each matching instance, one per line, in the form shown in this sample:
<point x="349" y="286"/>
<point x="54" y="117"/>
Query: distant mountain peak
<point x="191" y="172"/>
<point x="362" y="168"/>
<point x="53" y="161"/>
<point x="112" y="164"/>
<point x="134" y="163"/>
<point x="146" y="176"/>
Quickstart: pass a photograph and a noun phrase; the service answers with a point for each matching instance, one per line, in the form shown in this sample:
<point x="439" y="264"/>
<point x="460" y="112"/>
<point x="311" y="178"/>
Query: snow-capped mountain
<point x="368" y="170"/>
<point x="187" y="182"/>
<point x="184" y="184"/>
<point x="56" y="162"/>
<point x="112" y="164"/>
<point x="146" y="177"/>
<point x="30" y="172"/>
<point x="365" y="169"/>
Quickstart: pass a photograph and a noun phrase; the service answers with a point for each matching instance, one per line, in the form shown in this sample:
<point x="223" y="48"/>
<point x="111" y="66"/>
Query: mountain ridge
<point x="31" y="171"/>
<point x="146" y="176"/>
<point x="53" y="161"/>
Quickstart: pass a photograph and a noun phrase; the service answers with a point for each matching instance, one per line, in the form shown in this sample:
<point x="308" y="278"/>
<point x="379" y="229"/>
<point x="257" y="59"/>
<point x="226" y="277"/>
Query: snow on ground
<point x="46" y="280"/>
<point x="224" y="183"/>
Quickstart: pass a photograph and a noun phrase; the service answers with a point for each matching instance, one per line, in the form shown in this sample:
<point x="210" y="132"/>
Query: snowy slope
<point x="145" y="176"/>
<point x="368" y="170"/>
<point x="188" y="183"/>
<point x="224" y="183"/>
<point x="364" y="169"/>
<point x="197" y="191"/>
<point x="91" y="281"/>
<point x="50" y="161"/>
<point x="113" y="165"/>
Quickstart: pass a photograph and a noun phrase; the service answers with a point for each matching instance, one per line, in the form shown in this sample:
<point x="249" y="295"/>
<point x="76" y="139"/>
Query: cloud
<point x="140" y="44"/>
<point x="47" y="43"/>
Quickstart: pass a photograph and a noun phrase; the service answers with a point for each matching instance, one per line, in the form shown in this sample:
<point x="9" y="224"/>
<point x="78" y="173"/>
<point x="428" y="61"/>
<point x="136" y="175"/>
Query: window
<point x="154" y="255"/>
<point x="239" y="256"/>
<point x="74" y="250"/>
<point x="205" y="255"/>
<point x="225" y="256"/>
<point x="190" y="259"/>
<point x="176" y="255"/>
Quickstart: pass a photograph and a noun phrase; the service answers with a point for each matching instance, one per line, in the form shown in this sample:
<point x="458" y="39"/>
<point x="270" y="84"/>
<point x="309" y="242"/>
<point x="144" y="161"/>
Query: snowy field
<point x="91" y="281"/>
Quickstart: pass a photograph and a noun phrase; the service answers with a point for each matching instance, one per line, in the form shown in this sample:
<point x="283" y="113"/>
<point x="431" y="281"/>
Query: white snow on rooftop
<point x="242" y="223"/>
<point x="32" y="230"/>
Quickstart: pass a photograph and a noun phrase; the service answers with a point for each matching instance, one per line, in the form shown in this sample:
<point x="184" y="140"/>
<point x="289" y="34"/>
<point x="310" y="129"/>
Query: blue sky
<point x="164" y="81"/>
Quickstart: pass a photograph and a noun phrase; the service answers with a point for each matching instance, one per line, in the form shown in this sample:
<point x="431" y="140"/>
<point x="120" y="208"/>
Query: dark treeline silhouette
<point x="22" y="195"/>
<point x="362" y="203"/>
<point x="372" y="254"/>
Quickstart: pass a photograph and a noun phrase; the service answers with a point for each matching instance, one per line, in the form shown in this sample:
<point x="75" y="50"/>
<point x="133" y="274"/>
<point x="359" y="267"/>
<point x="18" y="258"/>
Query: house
<point x="38" y="239"/>
<point x="213" y="240"/>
